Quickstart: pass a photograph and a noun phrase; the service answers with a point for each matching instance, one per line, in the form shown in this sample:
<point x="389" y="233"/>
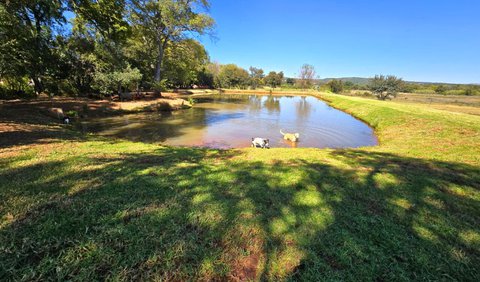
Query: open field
<point x="84" y="208"/>
<point x="453" y="103"/>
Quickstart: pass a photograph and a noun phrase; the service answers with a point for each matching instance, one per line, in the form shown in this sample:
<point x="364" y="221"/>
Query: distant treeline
<point x="233" y="76"/>
<point x="342" y="85"/>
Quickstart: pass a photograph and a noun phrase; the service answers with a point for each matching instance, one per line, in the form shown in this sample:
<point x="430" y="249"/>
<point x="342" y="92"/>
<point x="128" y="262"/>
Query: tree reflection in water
<point x="303" y="108"/>
<point x="272" y="104"/>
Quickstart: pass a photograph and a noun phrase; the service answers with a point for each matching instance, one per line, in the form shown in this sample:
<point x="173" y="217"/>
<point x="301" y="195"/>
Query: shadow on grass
<point x="181" y="213"/>
<point x="24" y="125"/>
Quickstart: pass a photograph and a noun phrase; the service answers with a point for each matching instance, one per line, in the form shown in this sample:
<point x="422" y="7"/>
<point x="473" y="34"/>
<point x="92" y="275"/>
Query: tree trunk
<point x="158" y="66"/>
<point x="158" y="70"/>
<point x="37" y="85"/>
<point x="120" y="97"/>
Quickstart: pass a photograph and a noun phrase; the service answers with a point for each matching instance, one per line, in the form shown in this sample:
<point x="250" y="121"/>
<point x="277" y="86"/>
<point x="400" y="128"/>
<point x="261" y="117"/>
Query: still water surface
<point x="230" y="121"/>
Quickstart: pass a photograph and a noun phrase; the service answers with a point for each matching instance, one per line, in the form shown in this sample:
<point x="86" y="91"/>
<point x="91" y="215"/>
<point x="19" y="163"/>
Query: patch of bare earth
<point x="245" y="250"/>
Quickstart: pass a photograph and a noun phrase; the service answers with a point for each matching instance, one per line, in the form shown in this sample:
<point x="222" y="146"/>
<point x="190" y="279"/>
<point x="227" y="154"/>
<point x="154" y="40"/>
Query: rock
<point x="56" y="113"/>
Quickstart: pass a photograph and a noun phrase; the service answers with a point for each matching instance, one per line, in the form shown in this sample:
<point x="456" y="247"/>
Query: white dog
<point x="290" y="136"/>
<point x="261" y="142"/>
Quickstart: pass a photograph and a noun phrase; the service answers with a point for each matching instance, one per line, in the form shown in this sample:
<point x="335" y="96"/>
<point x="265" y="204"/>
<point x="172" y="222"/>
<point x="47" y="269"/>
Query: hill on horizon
<point x="365" y="81"/>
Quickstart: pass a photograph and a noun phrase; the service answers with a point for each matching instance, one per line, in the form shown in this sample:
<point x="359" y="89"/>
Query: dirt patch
<point x="245" y="250"/>
<point x="246" y="268"/>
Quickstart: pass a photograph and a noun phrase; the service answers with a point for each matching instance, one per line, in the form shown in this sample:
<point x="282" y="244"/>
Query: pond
<point x="230" y="121"/>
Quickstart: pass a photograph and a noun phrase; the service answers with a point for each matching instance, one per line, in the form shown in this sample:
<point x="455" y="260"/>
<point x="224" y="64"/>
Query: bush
<point x="441" y="89"/>
<point x="17" y="90"/>
<point x="470" y="92"/>
<point x="336" y="86"/>
<point x="160" y="86"/>
<point x="110" y="82"/>
<point x="232" y="76"/>
<point x="455" y="92"/>
<point x="385" y="87"/>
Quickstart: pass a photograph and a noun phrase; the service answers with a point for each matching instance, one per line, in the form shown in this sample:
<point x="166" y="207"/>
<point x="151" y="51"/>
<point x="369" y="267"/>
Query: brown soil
<point x="246" y="268"/>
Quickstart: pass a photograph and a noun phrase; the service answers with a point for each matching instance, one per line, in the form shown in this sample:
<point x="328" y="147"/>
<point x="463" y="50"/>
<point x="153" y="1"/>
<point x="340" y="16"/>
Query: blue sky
<point x="420" y="40"/>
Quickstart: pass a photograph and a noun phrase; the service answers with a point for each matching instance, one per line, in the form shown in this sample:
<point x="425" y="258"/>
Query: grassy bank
<point x="84" y="208"/>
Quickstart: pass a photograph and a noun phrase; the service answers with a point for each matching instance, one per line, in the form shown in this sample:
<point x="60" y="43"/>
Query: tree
<point x="232" y="76"/>
<point x="349" y="85"/>
<point x="470" y="91"/>
<point x="161" y="22"/>
<point x="307" y="74"/>
<point x="183" y="62"/>
<point x="107" y="39"/>
<point x="385" y="86"/>
<point x="441" y="89"/>
<point x="256" y="77"/>
<point x="78" y="66"/>
<point x="280" y="77"/>
<point x="101" y="32"/>
<point x="336" y="86"/>
<point x="28" y="30"/>
<point x="107" y="82"/>
<point x="205" y="78"/>
<point x="214" y="70"/>
<point x="290" y="81"/>
<point x="274" y="79"/>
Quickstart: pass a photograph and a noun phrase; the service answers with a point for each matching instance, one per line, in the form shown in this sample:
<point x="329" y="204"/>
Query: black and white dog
<point x="261" y="143"/>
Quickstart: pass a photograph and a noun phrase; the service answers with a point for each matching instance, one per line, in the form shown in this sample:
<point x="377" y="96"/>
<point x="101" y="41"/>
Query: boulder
<point x="56" y="113"/>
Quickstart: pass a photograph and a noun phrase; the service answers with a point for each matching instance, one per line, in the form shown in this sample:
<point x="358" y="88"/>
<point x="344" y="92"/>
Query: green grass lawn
<point x="83" y="208"/>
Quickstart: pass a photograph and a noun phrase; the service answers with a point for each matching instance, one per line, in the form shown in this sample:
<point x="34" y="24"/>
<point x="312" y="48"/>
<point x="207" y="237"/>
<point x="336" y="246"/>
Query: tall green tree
<point x="256" y="77"/>
<point x="183" y="63"/>
<point x="213" y="69"/>
<point x="231" y="76"/>
<point x="28" y="30"/>
<point x="79" y="65"/>
<point x="274" y="79"/>
<point x="161" y="22"/>
<point x="104" y="25"/>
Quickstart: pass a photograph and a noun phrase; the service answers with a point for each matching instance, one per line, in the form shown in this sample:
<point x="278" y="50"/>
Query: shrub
<point x="385" y="87"/>
<point x="336" y="86"/>
<point x="470" y="91"/>
<point x="441" y="89"/>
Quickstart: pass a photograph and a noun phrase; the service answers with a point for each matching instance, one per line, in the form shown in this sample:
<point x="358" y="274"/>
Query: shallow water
<point x="230" y="121"/>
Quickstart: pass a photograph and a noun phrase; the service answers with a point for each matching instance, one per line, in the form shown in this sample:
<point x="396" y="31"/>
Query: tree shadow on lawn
<point x="25" y="126"/>
<point x="181" y="213"/>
